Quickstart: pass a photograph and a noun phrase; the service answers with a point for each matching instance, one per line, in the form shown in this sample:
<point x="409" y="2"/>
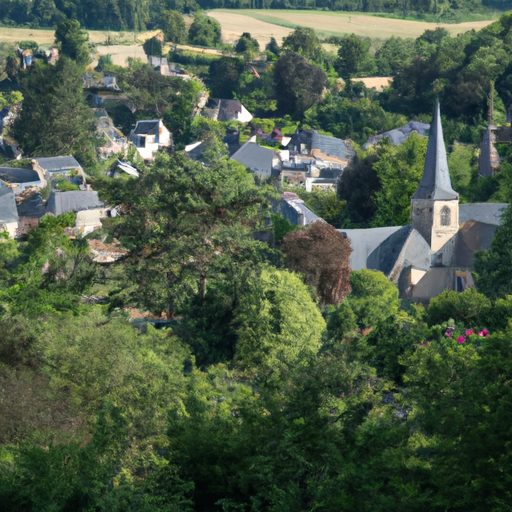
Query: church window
<point x="445" y="216"/>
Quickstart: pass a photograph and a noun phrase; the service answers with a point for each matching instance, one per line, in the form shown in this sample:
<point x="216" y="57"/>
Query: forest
<point x="229" y="361"/>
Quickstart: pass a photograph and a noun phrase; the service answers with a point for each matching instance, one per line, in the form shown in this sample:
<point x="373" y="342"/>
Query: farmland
<point x="263" y="24"/>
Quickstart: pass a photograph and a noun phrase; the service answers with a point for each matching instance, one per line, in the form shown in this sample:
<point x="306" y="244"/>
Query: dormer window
<point x="446" y="215"/>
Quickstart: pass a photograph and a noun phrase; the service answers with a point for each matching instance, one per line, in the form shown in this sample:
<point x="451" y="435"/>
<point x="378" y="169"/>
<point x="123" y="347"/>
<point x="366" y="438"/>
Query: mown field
<point x="263" y="24"/>
<point x="47" y="37"/>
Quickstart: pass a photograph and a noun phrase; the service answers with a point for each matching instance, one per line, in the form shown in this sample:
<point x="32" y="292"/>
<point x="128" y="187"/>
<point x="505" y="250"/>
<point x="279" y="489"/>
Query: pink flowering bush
<point x="465" y="335"/>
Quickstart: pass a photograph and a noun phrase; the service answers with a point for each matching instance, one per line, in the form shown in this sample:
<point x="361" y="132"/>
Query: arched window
<point x="446" y="215"/>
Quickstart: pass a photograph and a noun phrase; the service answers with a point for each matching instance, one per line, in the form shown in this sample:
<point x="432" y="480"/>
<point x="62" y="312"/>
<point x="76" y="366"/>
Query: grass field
<point x="47" y="37"/>
<point x="263" y="24"/>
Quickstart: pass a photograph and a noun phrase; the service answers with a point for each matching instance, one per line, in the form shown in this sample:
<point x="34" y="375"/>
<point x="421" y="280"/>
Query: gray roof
<point x="8" y="212"/>
<point x="58" y="163"/>
<point x="75" y="201"/>
<point x="472" y="236"/>
<point x="403" y="247"/>
<point x="435" y="182"/>
<point x="33" y="206"/>
<point x="146" y="127"/>
<point x="13" y="175"/>
<point x="489" y="213"/>
<point x="325" y="143"/>
<point x="331" y="146"/>
<point x="256" y="158"/>
<point x="364" y="242"/>
<point x="399" y="135"/>
<point x="309" y="216"/>
<point x="156" y="61"/>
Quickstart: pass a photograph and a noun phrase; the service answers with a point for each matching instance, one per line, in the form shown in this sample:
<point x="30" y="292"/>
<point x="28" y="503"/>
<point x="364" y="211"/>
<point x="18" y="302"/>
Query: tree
<point x="321" y="254"/>
<point x="224" y="75"/>
<point x="154" y="46"/>
<point x="73" y="41"/>
<point x="279" y="325"/>
<point x="173" y="26"/>
<point x="493" y="268"/>
<point x="354" y="57"/>
<point x="204" y="31"/>
<point x="247" y="45"/>
<point x="304" y="41"/>
<point x="184" y="217"/>
<point x="373" y="298"/>
<point x="298" y="84"/>
<point x="394" y="55"/>
<point x="55" y="120"/>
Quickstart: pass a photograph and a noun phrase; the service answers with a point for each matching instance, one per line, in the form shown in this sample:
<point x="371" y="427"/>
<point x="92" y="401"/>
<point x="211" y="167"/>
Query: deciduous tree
<point x="321" y="254"/>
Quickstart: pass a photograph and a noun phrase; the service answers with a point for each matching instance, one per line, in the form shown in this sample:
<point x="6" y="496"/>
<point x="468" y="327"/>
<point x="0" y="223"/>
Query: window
<point x="445" y="216"/>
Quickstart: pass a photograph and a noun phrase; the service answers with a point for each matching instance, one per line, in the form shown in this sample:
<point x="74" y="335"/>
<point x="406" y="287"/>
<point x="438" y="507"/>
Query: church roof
<point x="435" y="182"/>
<point x="364" y="242"/>
<point x="489" y="213"/>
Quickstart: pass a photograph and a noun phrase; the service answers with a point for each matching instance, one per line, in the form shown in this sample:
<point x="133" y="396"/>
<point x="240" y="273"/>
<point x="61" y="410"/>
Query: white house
<point x="150" y="136"/>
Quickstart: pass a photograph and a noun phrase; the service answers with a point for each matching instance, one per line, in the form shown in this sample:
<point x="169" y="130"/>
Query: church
<point x="436" y="250"/>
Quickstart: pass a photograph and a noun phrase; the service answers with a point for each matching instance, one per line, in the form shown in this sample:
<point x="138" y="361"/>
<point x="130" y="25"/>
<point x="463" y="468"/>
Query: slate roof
<point x="364" y="242"/>
<point x="435" y="182"/>
<point x="58" y="163"/>
<point x="13" y="175"/>
<point x="75" y="201"/>
<point x="404" y="245"/>
<point x="8" y="211"/>
<point x="490" y="213"/>
<point x="146" y="127"/>
<point x="33" y="206"/>
<point x="399" y="135"/>
<point x="256" y="158"/>
<point x="472" y="236"/>
<point x="324" y="143"/>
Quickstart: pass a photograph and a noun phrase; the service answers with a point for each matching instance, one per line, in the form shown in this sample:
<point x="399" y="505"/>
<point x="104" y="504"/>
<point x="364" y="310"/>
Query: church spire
<point x="435" y="183"/>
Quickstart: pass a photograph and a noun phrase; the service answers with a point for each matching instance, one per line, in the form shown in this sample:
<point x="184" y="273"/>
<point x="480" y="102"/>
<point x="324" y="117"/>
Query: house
<point x="261" y="161"/>
<point x="21" y="179"/>
<point x="294" y="210"/>
<point x="74" y="201"/>
<point x="226" y="110"/>
<point x="399" y="135"/>
<point x="30" y="206"/>
<point x="8" y="213"/>
<point x="322" y="148"/>
<point x="57" y="165"/>
<point x="110" y="83"/>
<point x="86" y="204"/>
<point x="149" y="137"/>
<point x="435" y="252"/>
<point x="114" y="140"/>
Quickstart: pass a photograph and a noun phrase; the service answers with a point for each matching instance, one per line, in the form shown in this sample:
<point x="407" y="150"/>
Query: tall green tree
<point x="354" y="58"/>
<point x="72" y="41"/>
<point x="204" y="31"/>
<point x="298" y="84"/>
<point x="55" y="120"/>
<point x="173" y="26"/>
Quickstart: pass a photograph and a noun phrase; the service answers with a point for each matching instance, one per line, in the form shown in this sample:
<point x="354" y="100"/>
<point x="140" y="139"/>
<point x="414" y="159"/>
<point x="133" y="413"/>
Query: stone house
<point x="8" y="212"/>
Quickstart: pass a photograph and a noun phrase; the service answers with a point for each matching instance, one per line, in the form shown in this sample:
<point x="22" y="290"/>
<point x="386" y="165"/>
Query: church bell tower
<point x="435" y="205"/>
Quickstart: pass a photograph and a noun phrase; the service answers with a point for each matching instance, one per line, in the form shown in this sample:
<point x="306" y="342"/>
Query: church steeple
<point x="435" y="183"/>
<point x="435" y="205"/>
